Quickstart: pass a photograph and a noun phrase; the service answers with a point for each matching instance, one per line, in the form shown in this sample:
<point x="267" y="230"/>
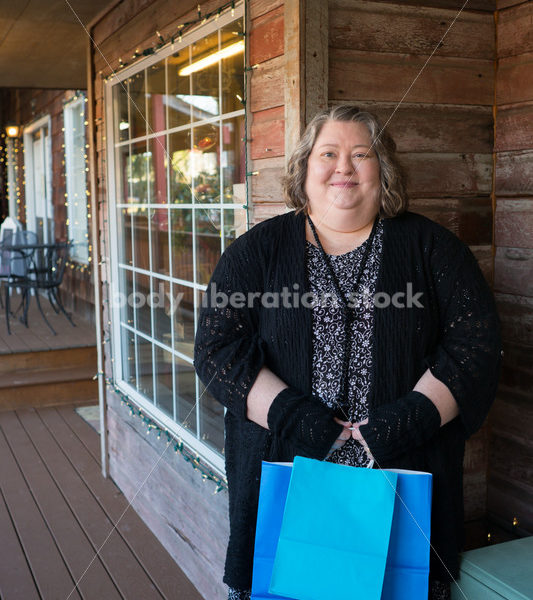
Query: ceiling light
<point x="12" y="130"/>
<point x="213" y="58"/>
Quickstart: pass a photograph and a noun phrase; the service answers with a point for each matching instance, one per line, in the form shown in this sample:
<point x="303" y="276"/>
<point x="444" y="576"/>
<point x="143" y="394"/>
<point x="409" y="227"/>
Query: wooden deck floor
<point x="65" y="531"/>
<point x="37" y="336"/>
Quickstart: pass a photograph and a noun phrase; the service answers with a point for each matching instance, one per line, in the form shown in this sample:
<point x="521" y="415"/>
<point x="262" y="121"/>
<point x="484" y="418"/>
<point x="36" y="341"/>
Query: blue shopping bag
<point x="407" y="571"/>
<point x="275" y="479"/>
<point x="335" y="532"/>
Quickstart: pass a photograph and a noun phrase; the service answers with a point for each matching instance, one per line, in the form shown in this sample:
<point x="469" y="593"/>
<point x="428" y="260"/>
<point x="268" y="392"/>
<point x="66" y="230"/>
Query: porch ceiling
<point x="42" y="43"/>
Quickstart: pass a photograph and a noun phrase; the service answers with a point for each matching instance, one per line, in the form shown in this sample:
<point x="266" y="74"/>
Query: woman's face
<point x="342" y="170"/>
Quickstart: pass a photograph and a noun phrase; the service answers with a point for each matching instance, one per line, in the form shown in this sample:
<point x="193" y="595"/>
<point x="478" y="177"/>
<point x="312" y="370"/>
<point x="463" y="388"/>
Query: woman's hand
<point x="357" y="435"/>
<point x="344" y="436"/>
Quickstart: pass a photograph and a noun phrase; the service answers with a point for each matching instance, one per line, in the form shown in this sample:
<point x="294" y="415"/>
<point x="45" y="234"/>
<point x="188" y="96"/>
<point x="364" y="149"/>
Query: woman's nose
<point x="345" y="164"/>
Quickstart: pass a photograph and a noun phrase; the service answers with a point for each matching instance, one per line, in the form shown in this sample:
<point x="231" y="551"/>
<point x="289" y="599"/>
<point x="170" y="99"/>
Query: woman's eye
<point x="360" y="155"/>
<point x="328" y="154"/>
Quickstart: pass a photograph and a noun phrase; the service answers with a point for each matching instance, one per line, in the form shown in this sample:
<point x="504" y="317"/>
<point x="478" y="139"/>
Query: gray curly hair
<point x="394" y="199"/>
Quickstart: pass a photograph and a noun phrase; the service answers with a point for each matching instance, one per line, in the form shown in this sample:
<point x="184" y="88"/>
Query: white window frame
<point x="29" y="162"/>
<point x="204" y="452"/>
<point x="68" y="109"/>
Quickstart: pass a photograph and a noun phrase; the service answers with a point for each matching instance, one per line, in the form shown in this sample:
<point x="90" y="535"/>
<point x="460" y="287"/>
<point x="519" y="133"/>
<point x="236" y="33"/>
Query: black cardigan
<point x="455" y="334"/>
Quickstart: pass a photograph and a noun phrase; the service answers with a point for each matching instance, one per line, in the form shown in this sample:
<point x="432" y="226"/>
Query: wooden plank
<point x="191" y="524"/>
<point x="516" y="315"/>
<point x="514" y="30"/>
<point x="100" y="530"/>
<point x="266" y="185"/>
<point x="475" y="495"/>
<point x="511" y="417"/>
<point x="316" y="57"/>
<point x="514" y="128"/>
<point x="47" y="566"/>
<point x="481" y="5"/>
<point x="514" y="222"/>
<point x="507" y="500"/>
<point x="121" y="14"/>
<point x="514" y="173"/>
<point x="515" y="79"/>
<point x="267" y="85"/>
<point x="513" y="269"/>
<point x="512" y="458"/>
<point x="155" y="560"/>
<point x="469" y="218"/>
<point x="261" y="212"/>
<point x="79" y="555"/>
<point x="502" y="4"/>
<point x="435" y="127"/>
<point x="294" y="73"/>
<point x="434" y="175"/>
<point x="81" y="429"/>
<point x="16" y="580"/>
<point x="384" y="76"/>
<point x="260" y="7"/>
<point x="268" y="133"/>
<point x="266" y="36"/>
<point x="359" y="25"/>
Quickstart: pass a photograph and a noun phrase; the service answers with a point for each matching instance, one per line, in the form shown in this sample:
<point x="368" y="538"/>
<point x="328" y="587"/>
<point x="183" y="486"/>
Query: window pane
<point x="232" y="68"/>
<point x="128" y="357"/>
<point x="144" y="361"/>
<point x="185" y="393"/>
<point x="120" y="99"/>
<point x="124" y="174"/>
<point x="124" y="235"/>
<point x="163" y="370"/>
<point x="183" y="306"/>
<point x="205" y="164"/>
<point x="181" y="240"/>
<point x="180" y="167"/>
<point x="212" y="419"/>
<point x="140" y="239"/>
<point x="125" y="298"/>
<point x="160" y="255"/>
<point x="205" y="87"/>
<point x="140" y="303"/>
<point x="233" y="159"/>
<point x="138" y="173"/>
<point x="179" y="90"/>
<point x="155" y="84"/>
<point x="235" y="224"/>
<point x="207" y="243"/>
<point x="160" y="301"/>
<point x="157" y="169"/>
<point x="137" y="105"/>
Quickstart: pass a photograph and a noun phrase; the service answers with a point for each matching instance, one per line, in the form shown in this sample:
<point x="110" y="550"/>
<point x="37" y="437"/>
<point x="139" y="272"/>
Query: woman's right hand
<point x="344" y="436"/>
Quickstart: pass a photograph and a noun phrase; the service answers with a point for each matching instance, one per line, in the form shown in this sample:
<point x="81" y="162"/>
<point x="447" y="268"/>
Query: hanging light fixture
<point x="12" y="130"/>
<point x="213" y="58"/>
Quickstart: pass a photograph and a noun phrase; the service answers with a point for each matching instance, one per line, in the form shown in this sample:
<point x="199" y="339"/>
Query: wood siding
<point x="510" y="478"/>
<point x="443" y="127"/>
<point x="25" y="106"/>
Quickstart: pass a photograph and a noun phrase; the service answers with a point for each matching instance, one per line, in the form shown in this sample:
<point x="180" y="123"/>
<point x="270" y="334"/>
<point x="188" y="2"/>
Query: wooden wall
<point x="22" y="106"/>
<point x="443" y="126"/>
<point x="510" y="489"/>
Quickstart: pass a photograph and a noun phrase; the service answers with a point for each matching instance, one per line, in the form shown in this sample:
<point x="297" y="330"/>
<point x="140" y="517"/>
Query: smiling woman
<point x="403" y="386"/>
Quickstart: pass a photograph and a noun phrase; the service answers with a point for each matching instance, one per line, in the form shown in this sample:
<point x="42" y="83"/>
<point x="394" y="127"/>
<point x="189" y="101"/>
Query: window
<point x="75" y="173"/>
<point x="38" y="165"/>
<point x="177" y="190"/>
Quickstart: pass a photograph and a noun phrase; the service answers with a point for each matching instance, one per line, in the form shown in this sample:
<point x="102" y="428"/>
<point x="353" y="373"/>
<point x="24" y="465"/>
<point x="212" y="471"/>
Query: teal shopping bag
<point x="335" y="532"/>
<point x="275" y="478"/>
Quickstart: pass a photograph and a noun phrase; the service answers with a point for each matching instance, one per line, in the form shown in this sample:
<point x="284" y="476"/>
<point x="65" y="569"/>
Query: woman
<point x="348" y="329"/>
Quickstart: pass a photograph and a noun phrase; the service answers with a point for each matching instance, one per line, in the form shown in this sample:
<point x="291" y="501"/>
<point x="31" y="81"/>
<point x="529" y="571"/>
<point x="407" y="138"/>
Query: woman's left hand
<point x="356" y="435"/>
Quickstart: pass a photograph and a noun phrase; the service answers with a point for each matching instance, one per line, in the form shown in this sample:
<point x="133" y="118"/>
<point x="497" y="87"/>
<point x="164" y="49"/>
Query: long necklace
<point x="348" y="313"/>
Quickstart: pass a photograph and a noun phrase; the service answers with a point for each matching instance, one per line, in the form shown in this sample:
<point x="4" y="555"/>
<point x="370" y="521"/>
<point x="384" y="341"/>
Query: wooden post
<point x="306" y="65"/>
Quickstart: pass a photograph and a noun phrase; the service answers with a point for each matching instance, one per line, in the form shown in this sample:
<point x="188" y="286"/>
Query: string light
<point x="179" y="447"/>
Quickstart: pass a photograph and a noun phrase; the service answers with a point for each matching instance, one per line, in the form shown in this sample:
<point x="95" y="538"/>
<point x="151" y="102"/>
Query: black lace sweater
<point x="455" y="334"/>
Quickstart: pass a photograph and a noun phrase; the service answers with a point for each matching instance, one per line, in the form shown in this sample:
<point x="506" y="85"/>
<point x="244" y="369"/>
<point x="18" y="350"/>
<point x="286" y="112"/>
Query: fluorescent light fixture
<point x="213" y="58"/>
